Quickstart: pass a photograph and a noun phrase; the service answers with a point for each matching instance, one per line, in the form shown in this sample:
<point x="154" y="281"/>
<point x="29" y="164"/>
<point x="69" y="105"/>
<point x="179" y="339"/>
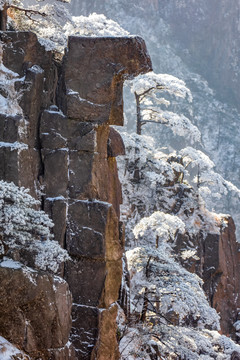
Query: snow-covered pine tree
<point x="152" y="93"/>
<point x="169" y="316"/>
<point x="160" y="186"/>
<point x="22" y="227"/>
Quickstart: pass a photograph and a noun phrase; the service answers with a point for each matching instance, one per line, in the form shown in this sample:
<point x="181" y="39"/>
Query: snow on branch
<point x="142" y="85"/>
<point x="196" y="157"/>
<point x="179" y="124"/>
<point x="159" y="224"/>
<point x="153" y="93"/>
<point x="94" y="25"/>
<point x="208" y="181"/>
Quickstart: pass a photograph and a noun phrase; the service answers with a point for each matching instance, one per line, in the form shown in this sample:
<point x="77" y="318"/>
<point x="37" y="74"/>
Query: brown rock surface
<point x="219" y="267"/>
<point x="93" y="241"/>
<point x="21" y="51"/>
<point x="93" y="83"/>
<point x="23" y="54"/>
<point x="37" y="309"/>
<point x="226" y="298"/>
<point x="115" y="143"/>
<point x="85" y="329"/>
<point x="107" y="347"/>
<point x="94" y="72"/>
<point x="57" y="209"/>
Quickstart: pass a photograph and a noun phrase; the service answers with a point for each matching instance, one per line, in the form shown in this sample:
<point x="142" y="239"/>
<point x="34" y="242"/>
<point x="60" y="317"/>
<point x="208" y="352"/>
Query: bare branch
<point x="28" y="12"/>
<point x="151" y="121"/>
<point x="159" y="87"/>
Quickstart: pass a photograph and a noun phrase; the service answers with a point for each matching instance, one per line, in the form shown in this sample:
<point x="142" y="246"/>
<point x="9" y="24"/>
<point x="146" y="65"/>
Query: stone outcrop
<point x="22" y="54"/>
<point x="92" y="101"/>
<point x="62" y="148"/>
<point x="102" y="68"/>
<point x="36" y="311"/>
<point x="219" y="266"/>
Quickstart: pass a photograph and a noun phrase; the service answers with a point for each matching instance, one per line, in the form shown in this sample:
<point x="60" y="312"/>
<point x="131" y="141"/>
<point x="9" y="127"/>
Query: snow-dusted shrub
<point x="174" y="288"/>
<point x="22" y="226"/>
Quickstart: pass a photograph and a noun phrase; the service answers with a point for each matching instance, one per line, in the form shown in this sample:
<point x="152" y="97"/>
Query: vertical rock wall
<point x="226" y="287"/>
<point x="62" y="148"/>
<point x="219" y="266"/>
<point x="93" y="73"/>
<point x="35" y="312"/>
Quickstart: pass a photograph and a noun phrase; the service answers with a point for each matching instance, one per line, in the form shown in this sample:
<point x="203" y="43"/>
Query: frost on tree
<point x="153" y="93"/>
<point x="169" y="316"/>
<point x="24" y="227"/>
<point x="153" y="179"/>
<point x="211" y="185"/>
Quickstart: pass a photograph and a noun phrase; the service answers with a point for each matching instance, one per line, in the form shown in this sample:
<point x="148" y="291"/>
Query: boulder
<point x="37" y="310"/>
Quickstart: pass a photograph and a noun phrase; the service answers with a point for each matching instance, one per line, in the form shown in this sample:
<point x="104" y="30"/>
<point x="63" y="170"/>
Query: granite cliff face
<point x="65" y="155"/>
<point x="68" y="162"/>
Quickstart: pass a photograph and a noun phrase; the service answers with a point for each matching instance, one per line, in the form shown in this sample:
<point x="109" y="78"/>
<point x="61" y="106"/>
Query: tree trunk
<point x="139" y="124"/>
<point x="3" y="18"/>
<point x="146" y="292"/>
<point x="145" y="306"/>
